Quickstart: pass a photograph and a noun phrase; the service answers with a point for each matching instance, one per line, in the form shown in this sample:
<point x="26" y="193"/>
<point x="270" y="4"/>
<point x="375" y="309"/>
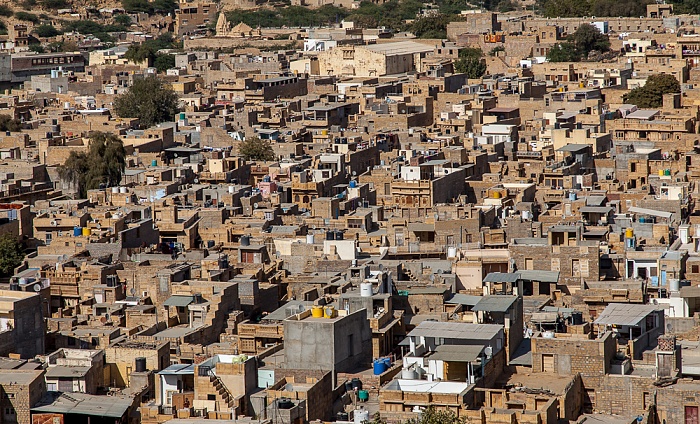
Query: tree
<point x="470" y="63"/>
<point x="103" y="164"/>
<point x="26" y="16"/>
<point x="431" y="26"/>
<point x="563" y="52"/>
<point x="11" y="254"/>
<point x="652" y="93"/>
<point x="7" y="123"/>
<point x="164" y="62"/>
<point x="254" y="148"/>
<point x="46" y="31"/>
<point x="124" y="20"/>
<point x="588" y="38"/>
<point x="5" y="11"/>
<point x="137" y="6"/>
<point x="150" y="100"/>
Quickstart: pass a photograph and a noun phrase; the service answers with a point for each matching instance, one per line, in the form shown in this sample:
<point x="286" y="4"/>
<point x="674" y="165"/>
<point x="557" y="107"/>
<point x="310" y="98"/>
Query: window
<point x="695" y="269"/>
<point x="181" y="309"/>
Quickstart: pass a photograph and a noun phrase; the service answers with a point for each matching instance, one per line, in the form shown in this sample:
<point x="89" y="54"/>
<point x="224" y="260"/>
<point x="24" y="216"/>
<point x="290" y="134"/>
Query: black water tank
<point x="339" y="235"/>
<point x="245" y="240"/>
<point x="141" y="364"/>
<point x="342" y="416"/>
<point x="285" y="403"/>
<point x="356" y="383"/>
<point x="330" y="235"/>
<point x="348" y="386"/>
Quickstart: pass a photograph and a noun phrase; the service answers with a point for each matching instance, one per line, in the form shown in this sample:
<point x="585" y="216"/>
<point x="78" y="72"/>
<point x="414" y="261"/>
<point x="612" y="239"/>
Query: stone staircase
<point x="224" y="399"/>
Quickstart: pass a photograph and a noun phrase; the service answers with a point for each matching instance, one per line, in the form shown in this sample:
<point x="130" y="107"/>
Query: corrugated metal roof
<point x="495" y="303"/>
<point x="457" y="353"/>
<point x="624" y="314"/>
<point x="463" y="299"/>
<point x="84" y="404"/>
<point x="456" y="330"/>
<point x="501" y="277"/>
<point x="539" y="275"/>
<point x="652" y="212"/>
<point x="179" y="300"/>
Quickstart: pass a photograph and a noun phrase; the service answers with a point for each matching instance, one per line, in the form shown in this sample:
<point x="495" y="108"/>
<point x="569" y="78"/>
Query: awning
<point x="652" y="212"/>
<point x="179" y="300"/>
<point x="457" y="353"/>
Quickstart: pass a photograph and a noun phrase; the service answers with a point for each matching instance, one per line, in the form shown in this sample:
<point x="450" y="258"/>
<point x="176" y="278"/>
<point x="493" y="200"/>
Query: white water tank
<point x="526" y="215"/>
<point x="309" y="239"/>
<point x="123" y="190"/>
<point x="408" y="374"/>
<point x="361" y="415"/>
<point x="231" y="189"/>
<point x="115" y="190"/>
<point x="451" y="252"/>
<point x="548" y="335"/>
<point x="674" y="285"/>
<point x="366" y="290"/>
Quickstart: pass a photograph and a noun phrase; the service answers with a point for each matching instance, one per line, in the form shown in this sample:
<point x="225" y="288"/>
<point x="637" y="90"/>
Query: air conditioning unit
<point x="54" y="223"/>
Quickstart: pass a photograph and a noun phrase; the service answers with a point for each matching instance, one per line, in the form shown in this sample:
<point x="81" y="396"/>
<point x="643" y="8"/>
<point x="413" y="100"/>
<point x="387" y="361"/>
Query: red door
<point x="691" y="415"/>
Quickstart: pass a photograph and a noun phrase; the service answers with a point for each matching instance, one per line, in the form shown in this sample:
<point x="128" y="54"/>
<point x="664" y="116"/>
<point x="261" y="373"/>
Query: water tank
<point x="366" y="289"/>
<point x="115" y="190"/>
<point x="245" y="240"/>
<point x="548" y="335"/>
<point x="285" y="403"/>
<point x="667" y="172"/>
<point x="77" y="231"/>
<point x="572" y="195"/>
<point x="86" y="231"/>
<point x="154" y="162"/>
<point x="642" y="220"/>
<point x="361" y="415"/>
<point x="379" y="367"/>
<point x="363" y="395"/>
<point x="317" y="311"/>
<point x="353" y="183"/>
<point x="356" y="383"/>
<point x="387" y="361"/>
<point x="629" y="233"/>
<point x="661" y="172"/>
<point x="140" y="364"/>
<point x="342" y="416"/>
<point x="526" y="215"/>
<point x="329" y="312"/>
<point x="22" y="281"/>
<point x="123" y="190"/>
<point x="266" y="179"/>
<point x="231" y="189"/>
<point x="330" y="235"/>
<point x="674" y="285"/>
<point x="309" y="239"/>
<point x="339" y="235"/>
<point x="496" y="195"/>
<point x="451" y="252"/>
<point x="408" y="374"/>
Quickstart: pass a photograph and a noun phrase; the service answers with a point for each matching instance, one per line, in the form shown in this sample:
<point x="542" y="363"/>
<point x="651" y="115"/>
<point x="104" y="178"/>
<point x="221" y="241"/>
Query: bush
<point x="5" y="11"/>
<point x="55" y="4"/>
<point x="46" y="31"/>
<point x="433" y="26"/>
<point x="124" y="20"/>
<point x="26" y="16"/>
<point x="7" y="123"/>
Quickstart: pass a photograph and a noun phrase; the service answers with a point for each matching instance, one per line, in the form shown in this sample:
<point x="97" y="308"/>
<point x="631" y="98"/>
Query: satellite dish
<point x="381" y="267"/>
<point x="37" y="287"/>
<point x="255" y="205"/>
<point x="354" y="173"/>
<point x="439" y="271"/>
<point x="132" y="291"/>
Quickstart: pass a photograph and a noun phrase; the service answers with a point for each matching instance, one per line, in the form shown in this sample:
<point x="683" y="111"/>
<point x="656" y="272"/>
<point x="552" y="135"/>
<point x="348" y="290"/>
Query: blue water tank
<point x="642" y="220"/>
<point x="77" y="231"/>
<point x="353" y="183"/>
<point x="379" y="366"/>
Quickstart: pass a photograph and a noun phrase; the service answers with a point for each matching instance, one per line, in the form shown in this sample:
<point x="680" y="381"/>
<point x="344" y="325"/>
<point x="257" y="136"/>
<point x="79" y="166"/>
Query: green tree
<point x="494" y="51"/>
<point x="652" y="93"/>
<point x="137" y="6"/>
<point x="11" y="254"/>
<point x="470" y="63"/>
<point x="565" y="8"/>
<point x="164" y="62"/>
<point x="150" y="100"/>
<point x="432" y="26"/>
<point x="46" y="31"/>
<point x="124" y="20"/>
<point x="253" y="148"/>
<point x="5" y="11"/>
<point x="7" y="123"/>
<point x="103" y="164"/>
<point x="434" y="416"/>
<point x="26" y="16"/>
<point x="55" y="4"/>
<point x="36" y="47"/>
<point x="563" y="52"/>
<point x="588" y="38"/>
